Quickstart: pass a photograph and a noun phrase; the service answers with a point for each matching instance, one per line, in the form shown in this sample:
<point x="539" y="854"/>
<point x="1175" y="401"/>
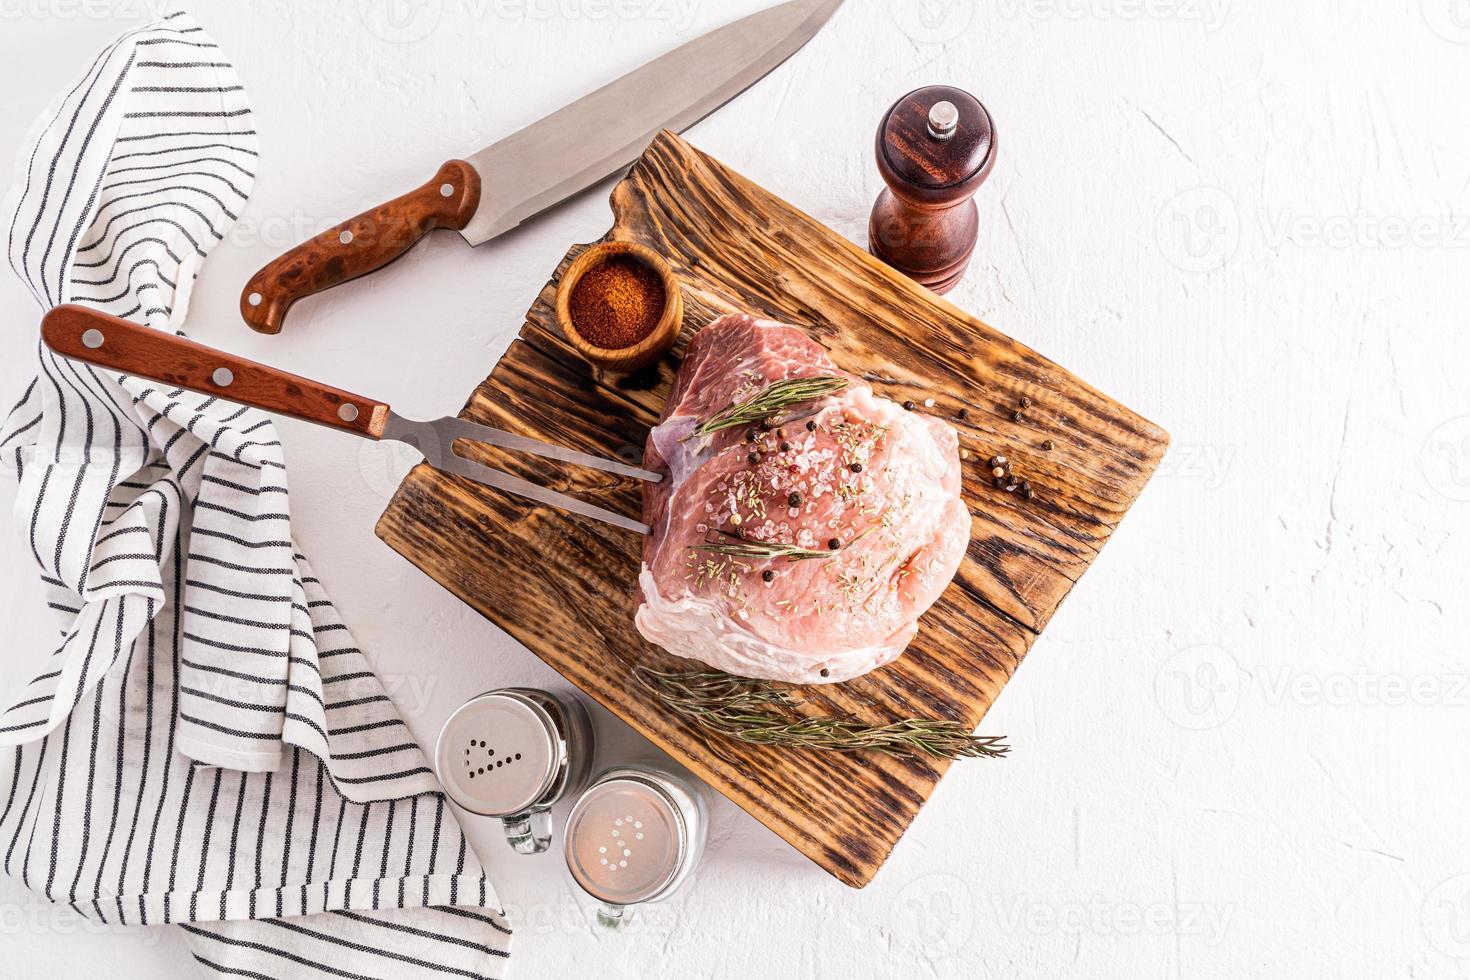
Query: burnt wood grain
<point x="566" y="588"/>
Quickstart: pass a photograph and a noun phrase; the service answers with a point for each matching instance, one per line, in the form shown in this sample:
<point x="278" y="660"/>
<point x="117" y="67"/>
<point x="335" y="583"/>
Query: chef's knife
<point x="494" y="190"/>
<point x="84" y="334"/>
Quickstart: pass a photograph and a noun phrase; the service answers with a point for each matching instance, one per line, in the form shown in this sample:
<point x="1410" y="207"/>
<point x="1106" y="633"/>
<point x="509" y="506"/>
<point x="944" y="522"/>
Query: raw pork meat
<point x="859" y="473"/>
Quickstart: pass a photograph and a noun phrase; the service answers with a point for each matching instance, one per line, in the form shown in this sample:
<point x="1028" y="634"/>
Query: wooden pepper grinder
<point x="935" y="148"/>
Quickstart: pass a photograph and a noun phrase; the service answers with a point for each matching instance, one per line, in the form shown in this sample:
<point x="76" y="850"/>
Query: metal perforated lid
<point x="498" y="754"/>
<point x="626" y="841"/>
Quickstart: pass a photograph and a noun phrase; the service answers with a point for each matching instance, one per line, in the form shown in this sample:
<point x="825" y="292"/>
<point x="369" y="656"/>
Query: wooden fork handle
<point x="106" y="341"/>
<point x="360" y="245"/>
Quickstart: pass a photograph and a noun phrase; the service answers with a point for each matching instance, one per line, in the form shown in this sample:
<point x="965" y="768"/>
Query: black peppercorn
<point x="856" y="467"/>
<point x="826" y="672"/>
<point x="753" y="458"/>
<point x="811" y="425"/>
<point x="835" y="544"/>
<point x="909" y="406"/>
<point x="794" y="499"/>
<point x="964" y="414"/>
<point x="750" y="435"/>
<point x="786" y="447"/>
<point x="1048" y="445"/>
<point x="1025" y="402"/>
<point x="768" y="576"/>
<point x="767" y="425"/>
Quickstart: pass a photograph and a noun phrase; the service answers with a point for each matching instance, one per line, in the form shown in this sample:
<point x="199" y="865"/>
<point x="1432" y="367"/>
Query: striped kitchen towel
<point x="205" y="745"/>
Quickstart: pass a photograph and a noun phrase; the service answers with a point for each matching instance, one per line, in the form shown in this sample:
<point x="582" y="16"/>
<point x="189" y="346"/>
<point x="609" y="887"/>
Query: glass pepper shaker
<point x="512" y="754"/>
<point x="633" y="838"/>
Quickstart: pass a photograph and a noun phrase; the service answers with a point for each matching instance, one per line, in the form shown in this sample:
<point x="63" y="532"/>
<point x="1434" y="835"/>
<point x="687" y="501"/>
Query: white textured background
<point x="1241" y="747"/>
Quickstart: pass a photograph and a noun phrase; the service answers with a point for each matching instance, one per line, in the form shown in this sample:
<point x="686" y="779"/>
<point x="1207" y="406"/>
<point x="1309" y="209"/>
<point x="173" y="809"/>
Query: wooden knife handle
<point x="121" y="345"/>
<point x="360" y="245"/>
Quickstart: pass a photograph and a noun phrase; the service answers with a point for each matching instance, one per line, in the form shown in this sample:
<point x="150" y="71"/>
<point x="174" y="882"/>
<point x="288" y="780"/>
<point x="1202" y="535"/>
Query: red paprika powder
<point x="617" y="303"/>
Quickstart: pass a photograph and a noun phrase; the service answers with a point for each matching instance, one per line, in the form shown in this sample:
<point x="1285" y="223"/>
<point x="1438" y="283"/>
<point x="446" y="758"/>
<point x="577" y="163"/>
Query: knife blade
<point x="508" y="182"/>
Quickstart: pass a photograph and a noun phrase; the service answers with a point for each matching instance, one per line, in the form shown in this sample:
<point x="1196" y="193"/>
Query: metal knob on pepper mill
<point x="935" y="147"/>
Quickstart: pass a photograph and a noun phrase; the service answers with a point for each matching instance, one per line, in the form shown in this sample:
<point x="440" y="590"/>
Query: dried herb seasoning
<point x="759" y="713"/>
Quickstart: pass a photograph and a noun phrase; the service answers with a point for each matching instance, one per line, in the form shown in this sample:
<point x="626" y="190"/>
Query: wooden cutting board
<point x="565" y="587"/>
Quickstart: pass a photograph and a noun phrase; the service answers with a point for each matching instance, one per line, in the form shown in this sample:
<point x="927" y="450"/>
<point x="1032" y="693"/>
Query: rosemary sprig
<point x="757" y="712"/>
<point x="773" y="398"/>
<point x="761" y="550"/>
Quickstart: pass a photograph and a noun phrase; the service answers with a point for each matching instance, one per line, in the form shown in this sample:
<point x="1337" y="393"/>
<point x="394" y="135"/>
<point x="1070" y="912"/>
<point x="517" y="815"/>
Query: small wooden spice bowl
<point x="623" y="360"/>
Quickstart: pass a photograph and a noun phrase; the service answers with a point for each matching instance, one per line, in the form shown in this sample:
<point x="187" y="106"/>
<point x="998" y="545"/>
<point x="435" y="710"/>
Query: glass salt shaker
<point x="633" y="837"/>
<point x="512" y="754"/>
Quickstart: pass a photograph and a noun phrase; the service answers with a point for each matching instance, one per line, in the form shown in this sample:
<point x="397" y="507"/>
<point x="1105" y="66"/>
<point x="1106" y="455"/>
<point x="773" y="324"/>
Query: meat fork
<point x="84" y="334"/>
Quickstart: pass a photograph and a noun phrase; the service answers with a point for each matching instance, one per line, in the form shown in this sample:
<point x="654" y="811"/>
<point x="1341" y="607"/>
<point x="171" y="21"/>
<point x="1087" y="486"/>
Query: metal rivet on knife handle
<point x="158" y="355"/>
<point x="550" y="160"/>
<point x="362" y="245"/>
<point x="77" y="332"/>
